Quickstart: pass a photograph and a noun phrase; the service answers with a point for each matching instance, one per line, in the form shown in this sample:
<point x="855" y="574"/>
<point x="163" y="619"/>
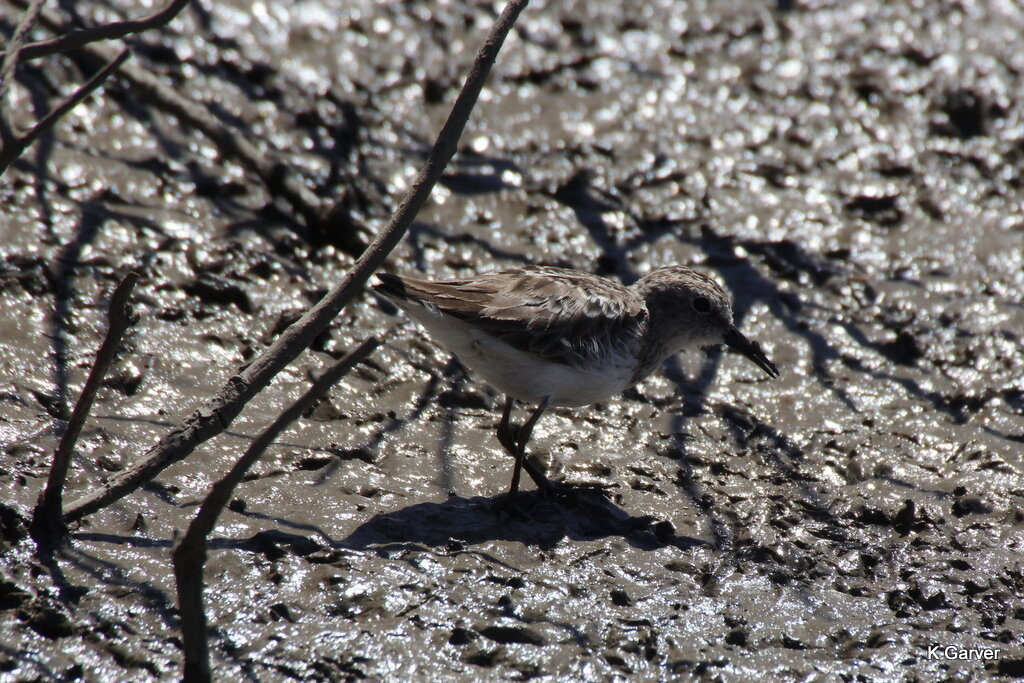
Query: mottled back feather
<point x="561" y="315"/>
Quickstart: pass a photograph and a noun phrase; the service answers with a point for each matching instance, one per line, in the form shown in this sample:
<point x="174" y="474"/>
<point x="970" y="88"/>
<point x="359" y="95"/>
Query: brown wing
<point x="560" y="314"/>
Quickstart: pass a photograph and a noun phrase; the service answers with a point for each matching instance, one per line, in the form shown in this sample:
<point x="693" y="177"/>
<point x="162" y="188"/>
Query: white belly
<point x="531" y="379"/>
<point x="522" y="375"/>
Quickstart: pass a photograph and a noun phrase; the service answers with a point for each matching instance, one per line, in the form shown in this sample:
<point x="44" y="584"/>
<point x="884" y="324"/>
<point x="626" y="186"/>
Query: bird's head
<point x="690" y="309"/>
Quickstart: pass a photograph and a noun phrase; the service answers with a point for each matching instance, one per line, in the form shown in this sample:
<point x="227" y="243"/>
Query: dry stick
<point x="216" y="413"/>
<point x="13" y="145"/>
<point x="118" y="29"/>
<point x="7" y="134"/>
<point x="280" y="179"/>
<point x="17" y="147"/>
<point x="190" y="552"/>
<point x="47" y="525"/>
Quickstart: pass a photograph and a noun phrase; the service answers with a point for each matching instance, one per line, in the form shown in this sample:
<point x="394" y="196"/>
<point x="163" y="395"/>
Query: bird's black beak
<point x="750" y="349"/>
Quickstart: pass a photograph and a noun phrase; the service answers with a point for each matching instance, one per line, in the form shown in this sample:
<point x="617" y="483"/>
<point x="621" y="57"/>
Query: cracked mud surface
<point x="850" y="171"/>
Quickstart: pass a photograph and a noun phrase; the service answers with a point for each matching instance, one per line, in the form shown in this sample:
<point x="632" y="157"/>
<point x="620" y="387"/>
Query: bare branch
<point x="13" y="145"/>
<point x="279" y="178"/>
<point x="118" y="29"/>
<point x="190" y="552"/>
<point x="17" y="147"/>
<point x="216" y="413"/>
<point x="47" y="526"/>
<point x="7" y="135"/>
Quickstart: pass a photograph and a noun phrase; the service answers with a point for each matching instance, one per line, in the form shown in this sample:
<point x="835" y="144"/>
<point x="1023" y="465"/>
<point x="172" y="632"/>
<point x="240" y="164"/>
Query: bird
<point x="549" y="336"/>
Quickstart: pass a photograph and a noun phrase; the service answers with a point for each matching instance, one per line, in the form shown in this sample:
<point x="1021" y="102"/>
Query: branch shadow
<point x="103" y="572"/>
<point x="427" y="395"/>
<point x="419" y="231"/>
<point x="475" y="174"/>
<point x="62" y="282"/>
<point x="749" y="287"/>
<point x="44" y="146"/>
<point x="30" y="660"/>
<point x="589" y="204"/>
<point x="61" y="276"/>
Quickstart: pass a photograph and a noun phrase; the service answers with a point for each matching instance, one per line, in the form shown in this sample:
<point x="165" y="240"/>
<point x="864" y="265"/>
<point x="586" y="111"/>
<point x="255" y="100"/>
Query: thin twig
<point x="112" y="31"/>
<point x="280" y="179"/>
<point x="28" y="21"/>
<point x="217" y="413"/>
<point x="12" y="145"/>
<point x="22" y="142"/>
<point x="47" y="526"/>
<point x="190" y="552"/>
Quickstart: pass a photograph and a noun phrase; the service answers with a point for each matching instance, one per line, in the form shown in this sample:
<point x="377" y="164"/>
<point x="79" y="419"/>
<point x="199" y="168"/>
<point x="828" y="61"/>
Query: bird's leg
<point x="524" y="437"/>
<point x="507" y="438"/>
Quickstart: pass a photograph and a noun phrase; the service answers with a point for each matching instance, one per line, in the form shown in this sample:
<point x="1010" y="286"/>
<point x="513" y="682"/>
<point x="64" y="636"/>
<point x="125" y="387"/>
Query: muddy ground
<point x="851" y="171"/>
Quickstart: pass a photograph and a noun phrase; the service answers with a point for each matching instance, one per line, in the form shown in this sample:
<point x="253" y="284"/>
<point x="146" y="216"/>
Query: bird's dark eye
<point x="702" y="305"/>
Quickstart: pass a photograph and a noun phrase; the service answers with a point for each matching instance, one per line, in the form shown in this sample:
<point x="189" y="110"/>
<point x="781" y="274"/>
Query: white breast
<point x="522" y="375"/>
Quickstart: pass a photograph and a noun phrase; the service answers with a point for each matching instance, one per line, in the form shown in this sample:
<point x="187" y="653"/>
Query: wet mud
<point x="850" y="171"/>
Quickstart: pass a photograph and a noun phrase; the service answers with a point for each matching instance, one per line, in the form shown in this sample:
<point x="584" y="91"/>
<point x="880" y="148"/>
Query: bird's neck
<point x="657" y="341"/>
<point x="665" y="329"/>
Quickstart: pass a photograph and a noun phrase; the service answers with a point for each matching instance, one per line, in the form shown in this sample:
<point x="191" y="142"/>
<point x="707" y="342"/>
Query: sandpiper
<point x="556" y="337"/>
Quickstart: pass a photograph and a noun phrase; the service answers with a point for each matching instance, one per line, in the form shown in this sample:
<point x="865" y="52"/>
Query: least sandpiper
<point x="556" y="337"/>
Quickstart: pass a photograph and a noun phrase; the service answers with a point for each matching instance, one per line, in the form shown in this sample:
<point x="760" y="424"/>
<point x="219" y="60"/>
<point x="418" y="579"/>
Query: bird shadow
<point x="536" y="521"/>
<point x="455" y="524"/>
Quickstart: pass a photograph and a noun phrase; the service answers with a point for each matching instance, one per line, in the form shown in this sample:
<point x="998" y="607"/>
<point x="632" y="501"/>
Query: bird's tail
<point x="391" y="286"/>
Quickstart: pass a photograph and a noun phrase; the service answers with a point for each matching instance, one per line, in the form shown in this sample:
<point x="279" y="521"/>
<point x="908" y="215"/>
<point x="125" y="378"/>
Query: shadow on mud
<point x="539" y="522"/>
